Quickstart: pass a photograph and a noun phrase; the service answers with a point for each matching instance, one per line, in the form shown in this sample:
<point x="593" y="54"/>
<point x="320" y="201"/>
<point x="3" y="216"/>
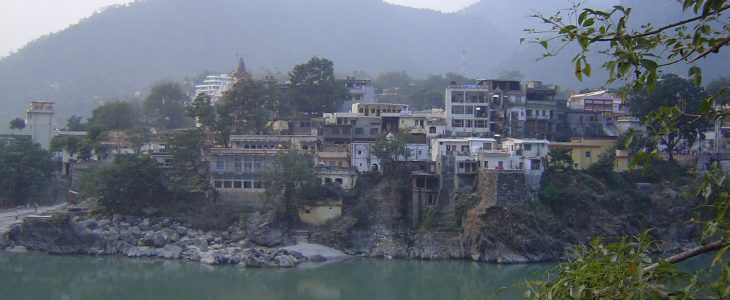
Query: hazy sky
<point x="22" y="21"/>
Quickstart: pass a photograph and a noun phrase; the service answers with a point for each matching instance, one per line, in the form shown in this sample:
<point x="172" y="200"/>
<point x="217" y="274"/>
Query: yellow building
<point x="586" y="151"/>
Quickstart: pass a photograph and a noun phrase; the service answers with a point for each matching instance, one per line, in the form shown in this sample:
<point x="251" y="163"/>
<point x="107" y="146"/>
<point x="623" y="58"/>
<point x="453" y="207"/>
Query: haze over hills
<point x="125" y="49"/>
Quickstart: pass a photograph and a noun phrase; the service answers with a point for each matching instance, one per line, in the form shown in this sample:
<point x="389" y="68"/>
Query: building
<point x="375" y="109"/>
<point x="361" y="91"/>
<point x="541" y="109"/>
<point x="467" y="110"/>
<point x="345" y="177"/>
<point x="364" y="160"/>
<point x="585" y="151"/>
<point x="39" y="122"/>
<point x="214" y="86"/>
<point x="238" y="171"/>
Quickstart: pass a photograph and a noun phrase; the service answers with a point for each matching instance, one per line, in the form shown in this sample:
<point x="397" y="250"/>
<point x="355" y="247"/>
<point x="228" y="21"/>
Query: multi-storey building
<point x="39" y="122"/>
<point x="361" y="91"/>
<point x="467" y="110"/>
<point x="238" y="171"/>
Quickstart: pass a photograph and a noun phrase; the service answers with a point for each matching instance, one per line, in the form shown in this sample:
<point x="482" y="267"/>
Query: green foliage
<point x="187" y="160"/>
<point x="74" y="145"/>
<point x="636" y="55"/>
<point x="720" y="87"/>
<point x="115" y="115"/>
<point x="671" y="111"/>
<point x="128" y="185"/>
<point x="313" y="87"/>
<point x="613" y="271"/>
<point x="17" y="123"/>
<point x="61" y="218"/>
<point x="560" y="159"/>
<point x="164" y="106"/>
<point x="248" y="108"/>
<point x="392" y="151"/>
<point x="292" y="179"/>
<point x="463" y="207"/>
<point x="138" y="137"/>
<point x="24" y="169"/>
<point x="74" y="124"/>
<point x="672" y="108"/>
<point x="202" y="111"/>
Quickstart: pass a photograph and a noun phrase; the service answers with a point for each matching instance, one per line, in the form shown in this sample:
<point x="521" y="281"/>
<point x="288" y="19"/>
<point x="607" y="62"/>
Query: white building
<point x="361" y="91"/>
<point x="362" y="158"/>
<point x="214" y="86"/>
<point x="39" y="122"/>
<point x="467" y="110"/>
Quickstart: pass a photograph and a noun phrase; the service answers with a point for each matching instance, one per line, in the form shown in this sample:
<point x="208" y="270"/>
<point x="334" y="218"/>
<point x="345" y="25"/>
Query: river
<point x="40" y="276"/>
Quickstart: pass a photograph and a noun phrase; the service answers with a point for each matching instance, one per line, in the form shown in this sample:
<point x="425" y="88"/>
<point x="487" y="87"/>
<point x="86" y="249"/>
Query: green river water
<point x="39" y="276"/>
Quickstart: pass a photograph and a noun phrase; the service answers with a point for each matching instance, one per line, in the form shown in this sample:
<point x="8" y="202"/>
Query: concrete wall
<point x="502" y="188"/>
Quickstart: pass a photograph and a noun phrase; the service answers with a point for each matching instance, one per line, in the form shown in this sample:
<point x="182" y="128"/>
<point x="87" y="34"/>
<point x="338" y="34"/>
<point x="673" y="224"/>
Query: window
<point x="465" y="148"/>
<point x="237" y="165"/>
<point x="227" y="184"/>
<point x="457" y="123"/>
<point x="588" y="154"/>
<point x="469" y="110"/>
<point x="527" y="147"/>
<point x="481" y="124"/>
<point x="247" y="184"/>
<point x="359" y="152"/>
<point x="359" y="131"/>
<point x="500" y="164"/>
<point x="486" y="164"/>
<point x="328" y="180"/>
<point x="457" y="109"/>
<point x="432" y="129"/>
<point x="338" y="181"/>
<point x="218" y="184"/>
<point x="373" y="131"/>
<point x="237" y="184"/>
<point x="220" y="164"/>
<point x="535" y="164"/>
<point x="468" y="123"/>
<point x="529" y="113"/>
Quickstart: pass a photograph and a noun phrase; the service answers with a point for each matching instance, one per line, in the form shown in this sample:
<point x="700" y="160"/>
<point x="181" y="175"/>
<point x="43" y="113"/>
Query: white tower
<point x="39" y="122"/>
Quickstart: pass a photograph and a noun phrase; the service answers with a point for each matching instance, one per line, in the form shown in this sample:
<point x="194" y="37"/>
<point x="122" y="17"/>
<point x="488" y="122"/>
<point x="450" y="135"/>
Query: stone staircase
<point x="300" y="235"/>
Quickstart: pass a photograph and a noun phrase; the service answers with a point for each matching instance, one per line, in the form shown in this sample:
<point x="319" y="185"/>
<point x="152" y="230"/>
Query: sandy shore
<point x="314" y="249"/>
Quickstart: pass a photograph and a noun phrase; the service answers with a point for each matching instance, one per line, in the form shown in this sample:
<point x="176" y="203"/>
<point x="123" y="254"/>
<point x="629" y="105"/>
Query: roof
<point x="528" y="141"/>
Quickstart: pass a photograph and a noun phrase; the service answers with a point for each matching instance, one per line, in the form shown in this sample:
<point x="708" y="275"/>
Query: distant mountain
<point x="127" y="48"/>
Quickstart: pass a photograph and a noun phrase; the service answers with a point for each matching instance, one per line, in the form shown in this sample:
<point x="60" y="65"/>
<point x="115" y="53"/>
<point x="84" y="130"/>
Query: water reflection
<point x="36" y="276"/>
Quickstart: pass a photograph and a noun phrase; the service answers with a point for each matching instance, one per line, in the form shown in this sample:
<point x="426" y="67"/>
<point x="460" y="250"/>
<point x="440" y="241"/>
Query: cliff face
<point x="574" y="208"/>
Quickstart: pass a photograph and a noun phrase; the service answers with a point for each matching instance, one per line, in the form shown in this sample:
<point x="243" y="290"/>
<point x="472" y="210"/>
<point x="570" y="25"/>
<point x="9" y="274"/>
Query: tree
<point x="165" y="105"/>
<point x="187" y="160"/>
<point x="625" y="270"/>
<point x="128" y="185"/>
<point x="721" y="87"/>
<point x="24" y="169"/>
<point x="17" y="123"/>
<point x="249" y="107"/>
<point x="392" y="151"/>
<point x="560" y="158"/>
<point x="74" y="124"/>
<point x="202" y="111"/>
<point x="138" y="137"/>
<point x="313" y="87"/>
<point x="116" y="115"/>
<point x="671" y="91"/>
<point x="292" y="179"/>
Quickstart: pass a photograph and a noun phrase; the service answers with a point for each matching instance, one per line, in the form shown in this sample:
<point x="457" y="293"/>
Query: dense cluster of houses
<point x="486" y="125"/>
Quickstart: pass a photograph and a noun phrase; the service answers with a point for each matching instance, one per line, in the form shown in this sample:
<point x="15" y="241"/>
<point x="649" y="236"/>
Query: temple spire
<point x="241" y="71"/>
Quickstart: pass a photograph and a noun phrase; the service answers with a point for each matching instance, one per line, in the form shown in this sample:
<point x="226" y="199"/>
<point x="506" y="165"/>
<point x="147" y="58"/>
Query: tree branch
<point x="714" y="246"/>
<point x="663" y="28"/>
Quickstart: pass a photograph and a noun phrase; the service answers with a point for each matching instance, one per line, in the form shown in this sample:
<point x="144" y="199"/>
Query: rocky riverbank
<point x="254" y="245"/>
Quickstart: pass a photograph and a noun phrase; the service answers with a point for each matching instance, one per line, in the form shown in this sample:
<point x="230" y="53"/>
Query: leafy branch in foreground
<point x="624" y="270"/>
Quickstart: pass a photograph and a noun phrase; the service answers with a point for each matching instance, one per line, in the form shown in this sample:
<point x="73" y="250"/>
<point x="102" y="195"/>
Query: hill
<point x="125" y="49"/>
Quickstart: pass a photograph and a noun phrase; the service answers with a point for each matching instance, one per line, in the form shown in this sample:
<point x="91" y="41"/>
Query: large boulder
<point x="260" y="230"/>
<point x="438" y="246"/>
<point x="55" y="235"/>
<point x="169" y="252"/>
